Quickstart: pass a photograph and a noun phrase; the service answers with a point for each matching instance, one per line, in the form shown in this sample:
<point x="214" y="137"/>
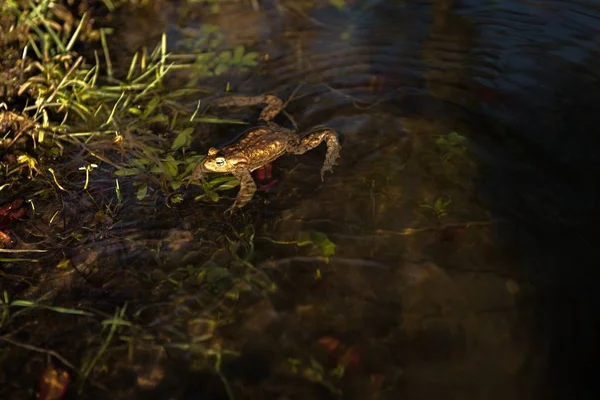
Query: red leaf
<point x="330" y="343"/>
<point x="5" y="240"/>
<point x="11" y="212"/>
<point x="11" y="207"/>
<point x="53" y="384"/>
<point x="350" y="358"/>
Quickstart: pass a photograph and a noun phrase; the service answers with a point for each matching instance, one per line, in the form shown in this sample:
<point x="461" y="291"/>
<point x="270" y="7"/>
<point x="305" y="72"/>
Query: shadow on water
<point x="462" y="211"/>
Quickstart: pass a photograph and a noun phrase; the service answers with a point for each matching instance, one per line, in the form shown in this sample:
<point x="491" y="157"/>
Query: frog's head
<point x="215" y="162"/>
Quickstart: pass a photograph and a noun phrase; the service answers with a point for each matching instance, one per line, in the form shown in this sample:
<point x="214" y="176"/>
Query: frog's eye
<point x="220" y="161"/>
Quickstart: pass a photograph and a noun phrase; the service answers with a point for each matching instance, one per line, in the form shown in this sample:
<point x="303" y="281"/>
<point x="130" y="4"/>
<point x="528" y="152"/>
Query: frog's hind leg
<point x="313" y="139"/>
<point x="273" y="104"/>
<point x="247" y="188"/>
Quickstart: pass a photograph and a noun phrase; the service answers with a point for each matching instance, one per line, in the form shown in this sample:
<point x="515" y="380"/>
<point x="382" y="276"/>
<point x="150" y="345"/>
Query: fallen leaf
<point x="330" y="343"/>
<point x="350" y="358"/>
<point x="53" y="384"/>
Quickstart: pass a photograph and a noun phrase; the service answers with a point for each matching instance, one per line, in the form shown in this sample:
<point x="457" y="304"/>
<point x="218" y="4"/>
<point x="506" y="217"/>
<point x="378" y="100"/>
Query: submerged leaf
<point x="128" y="171"/>
<point x="217" y="120"/>
<point x="339" y="4"/>
<point x="250" y="59"/>
<point x="214" y="196"/>
<point x="142" y="191"/>
<point x="238" y="54"/>
<point x="158" y="118"/>
<point x="176" y="184"/>
<point x="184" y="138"/>
<point x="171" y="167"/>
<point x="228" y="185"/>
<point x="321" y="240"/>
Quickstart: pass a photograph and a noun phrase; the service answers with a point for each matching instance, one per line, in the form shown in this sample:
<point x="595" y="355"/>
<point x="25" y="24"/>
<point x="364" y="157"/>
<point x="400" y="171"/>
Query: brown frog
<point x="261" y="145"/>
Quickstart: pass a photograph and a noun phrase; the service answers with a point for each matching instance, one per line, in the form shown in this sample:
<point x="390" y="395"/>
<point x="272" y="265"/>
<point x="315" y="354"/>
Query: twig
<point x="412" y="231"/>
<point x="22" y="251"/>
<point x="39" y="350"/>
<point x="327" y="260"/>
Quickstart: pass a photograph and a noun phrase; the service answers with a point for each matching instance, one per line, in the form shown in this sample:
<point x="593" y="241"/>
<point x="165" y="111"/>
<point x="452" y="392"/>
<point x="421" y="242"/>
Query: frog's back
<point x="261" y="145"/>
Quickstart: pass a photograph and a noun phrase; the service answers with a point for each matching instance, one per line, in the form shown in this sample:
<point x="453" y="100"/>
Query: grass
<point x="124" y="112"/>
<point x="85" y="129"/>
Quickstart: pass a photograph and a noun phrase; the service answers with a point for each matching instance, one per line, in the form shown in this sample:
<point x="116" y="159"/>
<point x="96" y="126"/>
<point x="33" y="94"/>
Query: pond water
<point x="449" y="255"/>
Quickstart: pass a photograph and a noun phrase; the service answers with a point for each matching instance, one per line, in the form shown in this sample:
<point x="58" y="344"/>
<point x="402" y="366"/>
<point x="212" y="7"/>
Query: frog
<point x="263" y="144"/>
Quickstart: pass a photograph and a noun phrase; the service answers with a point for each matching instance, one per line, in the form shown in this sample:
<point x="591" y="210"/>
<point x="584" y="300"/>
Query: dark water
<point x="507" y="308"/>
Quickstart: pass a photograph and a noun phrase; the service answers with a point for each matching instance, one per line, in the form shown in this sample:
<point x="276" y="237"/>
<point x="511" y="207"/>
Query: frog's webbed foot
<point x="313" y="139"/>
<point x="247" y="189"/>
<point x="274" y="104"/>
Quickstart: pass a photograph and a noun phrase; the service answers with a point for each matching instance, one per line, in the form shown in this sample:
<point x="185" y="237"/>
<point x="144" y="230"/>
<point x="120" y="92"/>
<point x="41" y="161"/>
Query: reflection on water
<point x="461" y="212"/>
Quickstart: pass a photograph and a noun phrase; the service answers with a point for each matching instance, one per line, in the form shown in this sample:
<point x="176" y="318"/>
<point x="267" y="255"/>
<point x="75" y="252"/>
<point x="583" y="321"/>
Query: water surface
<point x="501" y="309"/>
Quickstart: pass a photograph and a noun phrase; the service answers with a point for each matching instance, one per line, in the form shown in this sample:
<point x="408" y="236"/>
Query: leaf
<point x="140" y="162"/>
<point x="151" y="152"/>
<point x="217" y="120"/>
<point x="177" y="198"/>
<point x="214" y="196"/>
<point x="142" y="191"/>
<point x="184" y="138"/>
<point x="176" y="184"/>
<point x="192" y="162"/>
<point x="158" y="118"/>
<point x="441" y="141"/>
<point x="228" y="185"/>
<point x="135" y="111"/>
<point x="150" y="107"/>
<point x="224" y="57"/>
<point x="171" y="167"/>
<point x="238" y="54"/>
<point x="23" y="303"/>
<point x="314" y="364"/>
<point x="322" y="242"/>
<point x="128" y="171"/>
<point x="339" y="4"/>
<point x="116" y="321"/>
<point x="221" y="68"/>
<point x="204" y="58"/>
<point x="455" y="138"/>
<point x="442" y="202"/>
<point x="221" y="179"/>
<point x="250" y="59"/>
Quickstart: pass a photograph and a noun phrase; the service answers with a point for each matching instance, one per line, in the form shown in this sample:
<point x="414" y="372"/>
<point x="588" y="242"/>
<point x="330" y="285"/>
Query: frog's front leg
<point x="273" y="104"/>
<point x="313" y="139"/>
<point x="247" y="189"/>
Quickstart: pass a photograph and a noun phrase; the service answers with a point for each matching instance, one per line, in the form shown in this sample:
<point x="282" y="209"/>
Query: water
<point x="509" y="313"/>
<point x="490" y="295"/>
